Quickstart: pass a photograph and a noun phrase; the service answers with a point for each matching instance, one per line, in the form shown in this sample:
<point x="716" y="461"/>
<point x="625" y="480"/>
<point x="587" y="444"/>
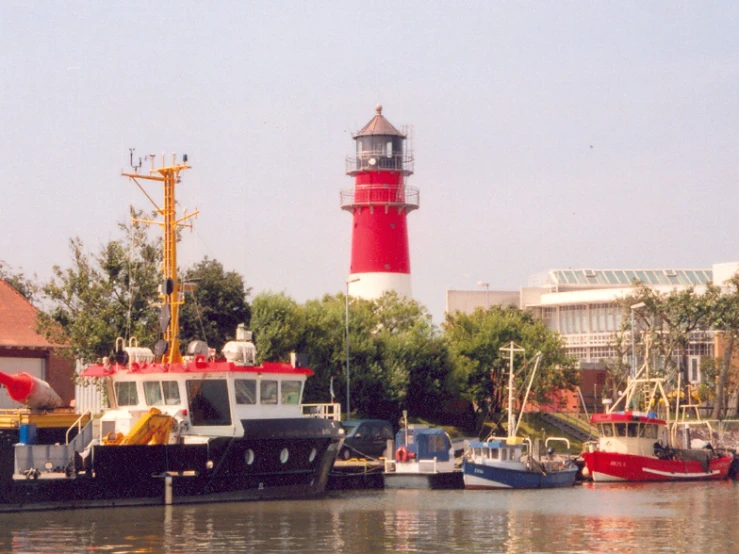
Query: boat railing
<point x="85" y="417"/>
<point x="558" y="439"/>
<point x="331" y="410"/>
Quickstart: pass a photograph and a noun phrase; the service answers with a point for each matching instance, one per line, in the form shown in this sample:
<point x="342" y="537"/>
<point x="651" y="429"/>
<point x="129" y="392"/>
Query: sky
<point x="582" y="134"/>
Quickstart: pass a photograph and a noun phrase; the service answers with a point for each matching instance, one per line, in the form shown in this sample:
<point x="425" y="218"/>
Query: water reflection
<point x="677" y="517"/>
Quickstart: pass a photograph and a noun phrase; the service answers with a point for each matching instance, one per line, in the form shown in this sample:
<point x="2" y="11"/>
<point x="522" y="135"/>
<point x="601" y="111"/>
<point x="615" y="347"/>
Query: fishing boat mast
<point x="171" y="292"/>
<point x="511" y="349"/>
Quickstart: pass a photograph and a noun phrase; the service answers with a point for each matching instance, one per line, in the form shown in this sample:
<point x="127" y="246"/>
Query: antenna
<point x="135" y="167"/>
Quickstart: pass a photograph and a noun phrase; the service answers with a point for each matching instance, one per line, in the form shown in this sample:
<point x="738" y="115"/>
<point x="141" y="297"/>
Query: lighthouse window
<point x="246" y="391"/>
<point x="290" y="392"/>
<point x="125" y="393"/>
<point x="208" y="402"/>
<point x="389" y="149"/>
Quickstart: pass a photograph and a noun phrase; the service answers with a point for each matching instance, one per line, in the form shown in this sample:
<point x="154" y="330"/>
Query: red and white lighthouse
<point x="380" y="202"/>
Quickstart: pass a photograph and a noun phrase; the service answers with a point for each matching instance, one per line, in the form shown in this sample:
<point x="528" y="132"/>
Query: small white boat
<point x="424" y="459"/>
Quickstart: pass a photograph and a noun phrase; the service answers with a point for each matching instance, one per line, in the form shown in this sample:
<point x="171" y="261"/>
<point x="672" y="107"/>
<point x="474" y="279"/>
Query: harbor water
<point x="643" y="518"/>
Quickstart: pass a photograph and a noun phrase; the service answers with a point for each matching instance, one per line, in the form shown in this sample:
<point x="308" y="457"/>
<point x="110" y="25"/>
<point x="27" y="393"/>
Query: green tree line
<point x="398" y="360"/>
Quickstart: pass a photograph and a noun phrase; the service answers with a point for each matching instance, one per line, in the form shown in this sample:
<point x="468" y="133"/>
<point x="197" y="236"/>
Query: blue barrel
<point x="27" y="434"/>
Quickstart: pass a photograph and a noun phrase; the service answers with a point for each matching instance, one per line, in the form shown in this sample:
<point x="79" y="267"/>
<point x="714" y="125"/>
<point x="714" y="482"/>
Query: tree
<point x="481" y="368"/>
<point x="723" y="316"/>
<point x="397" y="361"/>
<point x="278" y="325"/>
<point x="105" y="296"/>
<point x="216" y="306"/>
<point x="668" y="319"/>
<point x="18" y="281"/>
<point x="411" y="360"/>
<point x="323" y="341"/>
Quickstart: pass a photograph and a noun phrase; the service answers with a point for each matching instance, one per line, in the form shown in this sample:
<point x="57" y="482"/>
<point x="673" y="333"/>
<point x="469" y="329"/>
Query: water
<point x="643" y="518"/>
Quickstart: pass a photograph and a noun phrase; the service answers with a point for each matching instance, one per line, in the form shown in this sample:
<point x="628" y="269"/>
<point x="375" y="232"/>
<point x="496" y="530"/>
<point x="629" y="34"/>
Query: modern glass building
<point x="582" y="305"/>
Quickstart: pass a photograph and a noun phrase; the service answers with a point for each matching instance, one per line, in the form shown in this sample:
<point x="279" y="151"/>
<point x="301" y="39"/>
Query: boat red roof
<point x="193" y="367"/>
<point x="626" y="416"/>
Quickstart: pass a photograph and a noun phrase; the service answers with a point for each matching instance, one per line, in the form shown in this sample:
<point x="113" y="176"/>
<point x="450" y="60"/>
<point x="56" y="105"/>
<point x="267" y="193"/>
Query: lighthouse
<point x="380" y="203"/>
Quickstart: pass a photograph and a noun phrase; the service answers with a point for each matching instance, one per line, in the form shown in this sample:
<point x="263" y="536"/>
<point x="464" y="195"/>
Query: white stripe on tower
<point x="380" y="202"/>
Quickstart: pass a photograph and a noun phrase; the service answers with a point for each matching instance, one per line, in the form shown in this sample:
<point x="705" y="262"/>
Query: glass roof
<point x="626" y="277"/>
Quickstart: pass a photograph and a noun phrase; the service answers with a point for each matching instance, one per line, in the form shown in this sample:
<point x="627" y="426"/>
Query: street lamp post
<point x="633" y="347"/>
<point x="487" y="292"/>
<point x="348" y="401"/>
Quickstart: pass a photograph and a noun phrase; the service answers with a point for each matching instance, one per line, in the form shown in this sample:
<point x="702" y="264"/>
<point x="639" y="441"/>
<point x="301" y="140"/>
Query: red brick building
<point x="22" y="349"/>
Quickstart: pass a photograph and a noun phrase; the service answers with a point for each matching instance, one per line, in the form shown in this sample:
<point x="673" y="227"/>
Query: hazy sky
<point x="546" y="134"/>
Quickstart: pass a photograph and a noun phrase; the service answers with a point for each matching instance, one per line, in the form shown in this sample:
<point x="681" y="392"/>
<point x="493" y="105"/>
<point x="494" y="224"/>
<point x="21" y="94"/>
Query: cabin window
<point x="650" y="431"/>
<point x="633" y="429"/>
<point x="125" y="393"/>
<point x="246" y="391"/>
<point x="290" y="392"/>
<point x="208" y="401"/>
<point x="478" y="451"/>
<point x="504" y="454"/>
<point x="437" y="443"/>
<point x="620" y="429"/>
<point x="153" y="393"/>
<point x="171" y="393"/>
<point x="268" y="392"/>
<point x="606" y="429"/>
<point x="166" y="392"/>
<point x="493" y="453"/>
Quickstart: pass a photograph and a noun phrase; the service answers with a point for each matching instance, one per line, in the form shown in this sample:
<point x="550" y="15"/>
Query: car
<point x="365" y="438"/>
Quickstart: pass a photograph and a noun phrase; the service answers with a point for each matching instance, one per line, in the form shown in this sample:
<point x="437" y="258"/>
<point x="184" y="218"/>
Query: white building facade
<point x="582" y="305"/>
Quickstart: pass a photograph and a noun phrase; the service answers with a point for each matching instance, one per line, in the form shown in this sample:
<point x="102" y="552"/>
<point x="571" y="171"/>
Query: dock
<point x="356" y="473"/>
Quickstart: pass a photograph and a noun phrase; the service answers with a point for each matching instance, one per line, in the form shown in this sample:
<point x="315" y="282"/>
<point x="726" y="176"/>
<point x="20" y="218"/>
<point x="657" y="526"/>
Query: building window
<point x="602" y="353"/>
<point x="573" y="320"/>
<point x="549" y="316"/>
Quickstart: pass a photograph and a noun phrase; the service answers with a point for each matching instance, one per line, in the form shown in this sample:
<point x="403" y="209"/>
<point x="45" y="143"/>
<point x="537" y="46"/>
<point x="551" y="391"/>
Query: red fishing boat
<point x="639" y="446"/>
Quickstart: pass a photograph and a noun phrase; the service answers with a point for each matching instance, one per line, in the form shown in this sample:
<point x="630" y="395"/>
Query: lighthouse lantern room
<point x="380" y="202"/>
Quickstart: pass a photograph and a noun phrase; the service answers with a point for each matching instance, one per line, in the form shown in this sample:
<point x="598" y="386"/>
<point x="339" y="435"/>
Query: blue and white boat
<point x="509" y="463"/>
<point x="424" y="459"/>
<point x="513" y="462"/>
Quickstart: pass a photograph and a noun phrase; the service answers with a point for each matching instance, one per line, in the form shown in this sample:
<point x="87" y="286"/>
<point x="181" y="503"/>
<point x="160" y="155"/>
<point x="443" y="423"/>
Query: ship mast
<point x="511" y="349"/>
<point x="170" y="291"/>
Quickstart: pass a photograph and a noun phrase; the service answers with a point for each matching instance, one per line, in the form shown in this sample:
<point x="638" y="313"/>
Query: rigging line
<point x="200" y="317"/>
<point x="130" y="279"/>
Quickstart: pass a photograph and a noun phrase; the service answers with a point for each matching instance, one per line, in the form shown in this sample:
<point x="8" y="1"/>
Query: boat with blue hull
<point x="513" y="462"/>
<point x="507" y="464"/>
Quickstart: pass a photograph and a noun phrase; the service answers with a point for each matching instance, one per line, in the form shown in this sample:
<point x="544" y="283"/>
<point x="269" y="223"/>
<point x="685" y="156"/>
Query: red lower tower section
<point x="380" y="202"/>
